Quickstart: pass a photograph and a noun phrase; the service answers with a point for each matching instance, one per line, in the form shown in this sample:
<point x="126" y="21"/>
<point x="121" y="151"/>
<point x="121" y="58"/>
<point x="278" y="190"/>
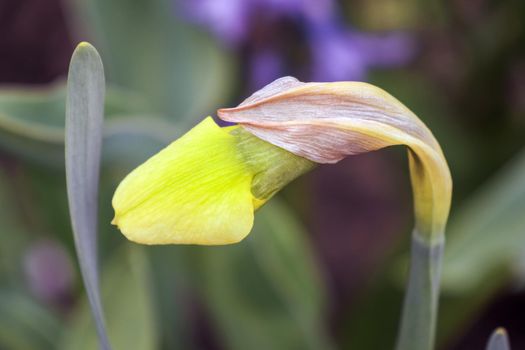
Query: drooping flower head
<point x="204" y="187"/>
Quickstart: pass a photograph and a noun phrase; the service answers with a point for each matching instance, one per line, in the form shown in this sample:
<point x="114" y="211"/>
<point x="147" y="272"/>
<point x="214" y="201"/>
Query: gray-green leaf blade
<point x="83" y="143"/>
<point x="499" y="340"/>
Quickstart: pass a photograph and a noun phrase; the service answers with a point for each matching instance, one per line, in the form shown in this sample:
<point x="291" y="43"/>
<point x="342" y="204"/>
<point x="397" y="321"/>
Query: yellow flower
<point x="204" y="187"/>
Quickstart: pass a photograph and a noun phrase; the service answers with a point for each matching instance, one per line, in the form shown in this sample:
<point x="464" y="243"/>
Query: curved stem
<point x="418" y="323"/>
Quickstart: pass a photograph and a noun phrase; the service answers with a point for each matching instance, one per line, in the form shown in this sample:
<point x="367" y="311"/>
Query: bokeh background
<point x="325" y="265"/>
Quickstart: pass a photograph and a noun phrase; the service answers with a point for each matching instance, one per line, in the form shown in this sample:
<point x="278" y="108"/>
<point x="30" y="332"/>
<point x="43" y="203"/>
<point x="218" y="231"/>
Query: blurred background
<point x="325" y="265"/>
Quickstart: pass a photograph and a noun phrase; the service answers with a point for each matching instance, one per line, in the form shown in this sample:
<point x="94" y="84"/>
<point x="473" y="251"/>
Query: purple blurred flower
<point x="227" y="19"/>
<point x="386" y="50"/>
<point x="342" y="54"/>
<point x="265" y="67"/>
<point x="263" y="31"/>
<point x="230" y="20"/>
<point x="317" y="11"/>
<point x="49" y="271"/>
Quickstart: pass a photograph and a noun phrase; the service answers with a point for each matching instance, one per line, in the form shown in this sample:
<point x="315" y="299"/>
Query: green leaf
<point x="83" y="141"/>
<point x="25" y="325"/>
<point x="171" y="275"/>
<point x="486" y="234"/>
<point x="32" y="120"/>
<point x="148" y="48"/>
<point x="14" y="236"/>
<point x="265" y="293"/>
<point x="499" y="340"/>
<point x="280" y="247"/>
<point x="484" y="246"/>
<point x="31" y="123"/>
<point x="127" y="296"/>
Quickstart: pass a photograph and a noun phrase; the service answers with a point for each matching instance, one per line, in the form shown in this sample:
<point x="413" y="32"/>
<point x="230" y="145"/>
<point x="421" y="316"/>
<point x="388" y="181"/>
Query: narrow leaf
<point x="499" y="340"/>
<point x="83" y="140"/>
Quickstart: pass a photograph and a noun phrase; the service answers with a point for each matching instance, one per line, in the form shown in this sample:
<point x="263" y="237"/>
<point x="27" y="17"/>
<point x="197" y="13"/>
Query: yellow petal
<point x="204" y="187"/>
<point x="195" y="191"/>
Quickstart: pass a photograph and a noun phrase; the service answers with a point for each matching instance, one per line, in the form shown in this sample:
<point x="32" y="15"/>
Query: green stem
<point x="418" y="323"/>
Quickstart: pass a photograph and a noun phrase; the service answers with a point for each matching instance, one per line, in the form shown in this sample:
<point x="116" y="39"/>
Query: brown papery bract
<point x="325" y="122"/>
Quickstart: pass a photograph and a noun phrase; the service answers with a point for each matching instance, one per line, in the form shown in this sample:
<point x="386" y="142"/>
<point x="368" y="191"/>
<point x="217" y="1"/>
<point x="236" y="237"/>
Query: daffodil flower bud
<point x="204" y="187"/>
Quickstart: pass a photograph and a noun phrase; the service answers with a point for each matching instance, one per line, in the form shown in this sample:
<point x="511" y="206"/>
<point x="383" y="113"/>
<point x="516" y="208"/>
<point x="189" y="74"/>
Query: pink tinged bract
<point x="325" y="122"/>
